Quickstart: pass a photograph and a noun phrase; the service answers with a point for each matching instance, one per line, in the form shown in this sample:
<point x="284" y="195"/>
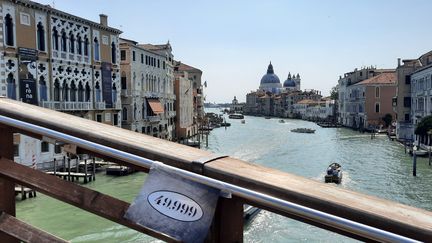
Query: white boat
<point x="236" y="116"/>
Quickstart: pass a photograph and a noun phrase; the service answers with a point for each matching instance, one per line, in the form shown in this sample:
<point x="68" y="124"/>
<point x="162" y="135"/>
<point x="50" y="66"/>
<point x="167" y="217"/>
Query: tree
<point x="424" y="126"/>
<point x="334" y="92"/>
<point x="387" y="119"/>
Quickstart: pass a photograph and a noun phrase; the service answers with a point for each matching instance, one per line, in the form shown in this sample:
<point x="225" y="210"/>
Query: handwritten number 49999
<point x="176" y="205"/>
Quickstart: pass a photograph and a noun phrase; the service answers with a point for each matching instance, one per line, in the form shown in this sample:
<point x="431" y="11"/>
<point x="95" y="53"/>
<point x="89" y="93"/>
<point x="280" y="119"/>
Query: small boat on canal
<point x="225" y="124"/>
<point x="303" y="130"/>
<point x="236" y="116"/>
<point x="333" y="174"/>
<point x="281" y="121"/>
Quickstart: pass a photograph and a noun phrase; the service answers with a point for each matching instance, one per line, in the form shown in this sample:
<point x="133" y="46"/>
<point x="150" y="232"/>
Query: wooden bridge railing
<point x="228" y="223"/>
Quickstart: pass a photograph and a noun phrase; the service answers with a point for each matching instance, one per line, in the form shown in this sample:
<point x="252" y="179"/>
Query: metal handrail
<point x="314" y="215"/>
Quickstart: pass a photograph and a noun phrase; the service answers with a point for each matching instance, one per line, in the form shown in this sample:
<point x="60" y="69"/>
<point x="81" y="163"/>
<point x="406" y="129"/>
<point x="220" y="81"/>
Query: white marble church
<point x="270" y="82"/>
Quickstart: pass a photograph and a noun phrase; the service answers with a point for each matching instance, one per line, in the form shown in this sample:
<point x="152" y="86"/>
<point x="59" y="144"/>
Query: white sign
<point x="174" y="205"/>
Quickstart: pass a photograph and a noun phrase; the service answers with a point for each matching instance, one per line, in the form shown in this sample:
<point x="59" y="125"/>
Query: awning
<point x="156" y="106"/>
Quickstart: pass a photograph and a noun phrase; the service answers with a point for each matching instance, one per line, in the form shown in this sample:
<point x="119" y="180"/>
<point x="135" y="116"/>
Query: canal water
<point x="377" y="167"/>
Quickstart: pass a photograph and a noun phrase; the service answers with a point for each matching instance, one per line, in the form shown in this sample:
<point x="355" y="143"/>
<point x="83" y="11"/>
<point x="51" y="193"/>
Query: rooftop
<point x="383" y="78"/>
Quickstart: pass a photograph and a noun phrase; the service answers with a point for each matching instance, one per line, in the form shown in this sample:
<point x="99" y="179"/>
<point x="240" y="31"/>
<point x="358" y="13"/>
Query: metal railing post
<point x="7" y="188"/>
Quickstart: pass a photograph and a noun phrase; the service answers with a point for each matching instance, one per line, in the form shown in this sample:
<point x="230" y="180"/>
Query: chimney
<point x="399" y="62"/>
<point x="103" y="20"/>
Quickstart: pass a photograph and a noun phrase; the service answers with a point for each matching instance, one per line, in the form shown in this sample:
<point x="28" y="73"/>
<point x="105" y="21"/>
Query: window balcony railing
<point x="67" y="105"/>
<point x="100" y="105"/>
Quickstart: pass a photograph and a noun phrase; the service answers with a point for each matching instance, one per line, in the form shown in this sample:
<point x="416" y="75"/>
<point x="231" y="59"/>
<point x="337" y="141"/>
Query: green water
<point x="378" y="167"/>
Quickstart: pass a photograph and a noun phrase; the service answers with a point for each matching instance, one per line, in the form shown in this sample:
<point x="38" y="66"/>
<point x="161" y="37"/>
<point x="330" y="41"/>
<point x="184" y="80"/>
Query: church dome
<point x="289" y="83"/>
<point x="270" y="77"/>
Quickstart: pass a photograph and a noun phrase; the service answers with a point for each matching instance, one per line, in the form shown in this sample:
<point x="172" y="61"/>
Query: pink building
<point x="374" y="97"/>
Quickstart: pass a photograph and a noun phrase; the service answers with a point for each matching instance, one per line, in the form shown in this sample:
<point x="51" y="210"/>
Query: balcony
<point x="100" y="105"/>
<point x="152" y="118"/>
<point x="67" y="105"/>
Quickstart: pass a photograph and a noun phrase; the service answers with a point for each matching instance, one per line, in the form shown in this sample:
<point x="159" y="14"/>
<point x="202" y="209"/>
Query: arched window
<point x="79" y="45"/>
<point x="9" y="33"/>
<point x="63" y="41"/>
<point x="55" y="37"/>
<point x="124" y="114"/>
<point x="114" y="93"/>
<point x="377" y="92"/>
<point x="65" y="91"/>
<point x="11" y="87"/>
<point x="86" y="44"/>
<point x="142" y="82"/>
<point x="98" y="92"/>
<point x="96" y="49"/>
<point x="87" y="92"/>
<point x="73" y="91"/>
<point x="42" y="88"/>
<point x="71" y="42"/>
<point x="113" y="53"/>
<point x="40" y="37"/>
<point x="80" y="92"/>
<point x="56" y="90"/>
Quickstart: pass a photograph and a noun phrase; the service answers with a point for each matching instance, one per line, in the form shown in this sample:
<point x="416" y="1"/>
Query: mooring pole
<point x="55" y="166"/>
<point x="414" y="163"/>
<point x="430" y="155"/>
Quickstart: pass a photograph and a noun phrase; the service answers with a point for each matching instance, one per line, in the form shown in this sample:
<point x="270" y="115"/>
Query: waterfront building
<point x="147" y="91"/>
<point x="371" y="100"/>
<point x="317" y="110"/>
<point x="186" y="126"/>
<point x="421" y="95"/>
<point x="350" y="97"/>
<point x="195" y="75"/>
<point x="59" y="61"/>
<point x="272" y="98"/>
<point x="235" y="106"/>
<point x="403" y="101"/>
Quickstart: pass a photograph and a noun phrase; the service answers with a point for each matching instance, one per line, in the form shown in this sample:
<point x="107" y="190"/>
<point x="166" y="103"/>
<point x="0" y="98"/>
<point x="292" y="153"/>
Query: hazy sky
<point x="232" y="42"/>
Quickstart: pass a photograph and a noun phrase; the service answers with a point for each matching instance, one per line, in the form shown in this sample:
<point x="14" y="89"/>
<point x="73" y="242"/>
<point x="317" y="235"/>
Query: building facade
<point x="317" y="110"/>
<point x="421" y="95"/>
<point x="147" y="91"/>
<point x="59" y="61"/>
<point x="185" y="122"/>
<point x="350" y="98"/>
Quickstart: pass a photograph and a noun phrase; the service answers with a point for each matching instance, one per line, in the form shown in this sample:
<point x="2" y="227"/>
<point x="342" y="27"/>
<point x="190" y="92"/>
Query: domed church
<point x="270" y="82"/>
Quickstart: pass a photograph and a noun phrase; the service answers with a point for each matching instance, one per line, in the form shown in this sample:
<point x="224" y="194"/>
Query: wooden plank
<point x="25" y="232"/>
<point x="395" y="217"/>
<point x="227" y="224"/>
<point x="68" y="192"/>
<point x="7" y="187"/>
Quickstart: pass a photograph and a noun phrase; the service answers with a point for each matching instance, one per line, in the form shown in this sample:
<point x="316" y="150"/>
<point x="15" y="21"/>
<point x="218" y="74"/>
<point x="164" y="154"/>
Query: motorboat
<point x="281" y="121"/>
<point x="303" y="130"/>
<point x="243" y="121"/>
<point x="236" y="116"/>
<point x="333" y="174"/>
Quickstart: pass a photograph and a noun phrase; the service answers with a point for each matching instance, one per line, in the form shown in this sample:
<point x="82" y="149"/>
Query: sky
<point x="232" y="42"/>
